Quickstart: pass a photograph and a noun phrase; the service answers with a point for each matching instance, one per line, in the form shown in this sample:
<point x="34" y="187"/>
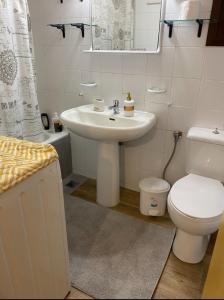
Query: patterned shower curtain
<point x="19" y="110"/>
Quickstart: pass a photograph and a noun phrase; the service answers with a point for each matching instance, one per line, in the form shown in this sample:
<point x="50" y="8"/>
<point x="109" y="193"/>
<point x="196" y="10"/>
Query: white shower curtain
<point x="19" y="110"/>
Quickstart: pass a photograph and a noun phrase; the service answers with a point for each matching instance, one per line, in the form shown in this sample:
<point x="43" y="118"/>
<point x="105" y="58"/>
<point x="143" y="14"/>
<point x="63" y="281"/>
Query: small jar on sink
<point x="98" y="105"/>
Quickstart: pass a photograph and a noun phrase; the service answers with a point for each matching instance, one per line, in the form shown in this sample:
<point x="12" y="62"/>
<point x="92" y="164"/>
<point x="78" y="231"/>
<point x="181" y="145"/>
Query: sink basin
<point x="108" y="129"/>
<point x="104" y="126"/>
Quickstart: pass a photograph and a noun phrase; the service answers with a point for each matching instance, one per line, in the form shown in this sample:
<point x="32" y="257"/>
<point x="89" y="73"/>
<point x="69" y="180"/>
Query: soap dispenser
<point x="129" y="107"/>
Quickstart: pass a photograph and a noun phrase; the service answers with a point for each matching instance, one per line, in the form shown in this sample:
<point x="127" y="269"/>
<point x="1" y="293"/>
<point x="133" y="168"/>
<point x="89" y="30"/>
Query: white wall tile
<point x="71" y="82"/>
<point x="180" y="118"/>
<point x="51" y="81"/>
<point x="161" y="64"/>
<point x="111" y="63"/>
<point x="212" y="95"/>
<point x="173" y="7"/>
<point x="61" y="100"/>
<point x="85" y="61"/>
<point x="134" y="63"/>
<point x="214" y="63"/>
<point x="111" y="87"/>
<point x="57" y="58"/>
<point x="209" y="118"/>
<point x="151" y="150"/>
<point x="185" y="92"/>
<point x="187" y="36"/>
<point x="206" y="5"/>
<point x="188" y="62"/>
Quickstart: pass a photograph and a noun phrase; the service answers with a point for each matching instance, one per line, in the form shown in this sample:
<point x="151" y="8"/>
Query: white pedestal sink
<point x="108" y="130"/>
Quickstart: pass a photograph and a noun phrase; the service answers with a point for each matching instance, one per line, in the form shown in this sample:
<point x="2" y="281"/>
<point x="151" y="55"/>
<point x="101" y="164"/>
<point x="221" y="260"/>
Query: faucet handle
<point x="116" y="103"/>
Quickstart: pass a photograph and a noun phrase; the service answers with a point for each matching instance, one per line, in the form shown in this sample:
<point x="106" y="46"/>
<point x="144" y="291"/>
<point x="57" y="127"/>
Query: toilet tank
<point x="205" y="153"/>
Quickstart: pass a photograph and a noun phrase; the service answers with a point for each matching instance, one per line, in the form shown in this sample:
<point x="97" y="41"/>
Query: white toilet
<point x="196" y="202"/>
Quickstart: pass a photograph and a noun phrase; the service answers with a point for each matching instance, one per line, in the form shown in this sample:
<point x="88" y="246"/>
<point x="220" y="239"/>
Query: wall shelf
<point x="61" y="27"/>
<point x="88" y="84"/>
<point x="156" y="90"/>
<point x="200" y="22"/>
<point x="62" y="1"/>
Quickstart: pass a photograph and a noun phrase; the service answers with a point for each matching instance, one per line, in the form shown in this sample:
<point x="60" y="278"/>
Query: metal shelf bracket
<point x="60" y="27"/>
<point x="170" y="25"/>
<point x="200" y="26"/>
<point x="81" y="26"/>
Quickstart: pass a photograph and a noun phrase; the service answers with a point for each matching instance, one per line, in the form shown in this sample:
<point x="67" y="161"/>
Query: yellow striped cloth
<point x="20" y="159"/>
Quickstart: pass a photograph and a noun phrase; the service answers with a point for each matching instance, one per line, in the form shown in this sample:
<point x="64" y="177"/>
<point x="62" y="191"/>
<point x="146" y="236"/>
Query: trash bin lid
<point x="154" y="185"/>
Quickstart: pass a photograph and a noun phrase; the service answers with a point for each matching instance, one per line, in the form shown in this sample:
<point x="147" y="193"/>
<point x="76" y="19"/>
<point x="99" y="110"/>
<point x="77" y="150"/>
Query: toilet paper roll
<point x="190" y="10"/>
<point x="98" y="105"/>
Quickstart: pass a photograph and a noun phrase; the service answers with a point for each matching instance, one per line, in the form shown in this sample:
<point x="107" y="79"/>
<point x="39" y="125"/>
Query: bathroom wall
<point x="192" y="74"/>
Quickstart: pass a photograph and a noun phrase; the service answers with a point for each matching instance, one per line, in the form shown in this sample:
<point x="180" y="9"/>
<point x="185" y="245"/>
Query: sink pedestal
<point x="108" y="174"/>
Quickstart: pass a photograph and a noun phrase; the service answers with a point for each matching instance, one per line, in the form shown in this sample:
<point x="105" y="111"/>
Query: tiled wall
<point x="192" y="74"/>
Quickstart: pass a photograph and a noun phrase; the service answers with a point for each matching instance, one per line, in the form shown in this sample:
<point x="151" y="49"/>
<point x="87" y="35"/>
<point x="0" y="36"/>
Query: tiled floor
<point x="179" y="280"/>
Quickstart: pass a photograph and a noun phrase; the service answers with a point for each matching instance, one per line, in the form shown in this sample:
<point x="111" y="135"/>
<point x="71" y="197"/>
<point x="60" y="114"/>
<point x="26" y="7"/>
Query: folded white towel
<point x="190" y="9"/>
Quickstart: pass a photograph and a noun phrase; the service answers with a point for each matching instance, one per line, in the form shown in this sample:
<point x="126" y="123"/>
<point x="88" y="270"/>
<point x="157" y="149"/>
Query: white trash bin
<point x="153" y="196"/>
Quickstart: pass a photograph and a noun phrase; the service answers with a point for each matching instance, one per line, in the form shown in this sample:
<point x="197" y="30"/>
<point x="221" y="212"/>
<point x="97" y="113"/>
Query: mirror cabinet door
<point x="126" y="25"/>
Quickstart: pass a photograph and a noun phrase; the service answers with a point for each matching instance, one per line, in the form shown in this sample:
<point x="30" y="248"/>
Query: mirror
<point x="126" y="25"/>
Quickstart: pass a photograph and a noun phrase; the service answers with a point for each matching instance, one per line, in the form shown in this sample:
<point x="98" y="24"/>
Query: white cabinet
<point x="33" y="243"/>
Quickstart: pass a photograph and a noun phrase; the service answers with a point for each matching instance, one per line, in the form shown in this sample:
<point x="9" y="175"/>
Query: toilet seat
<point x="198" y="197"/>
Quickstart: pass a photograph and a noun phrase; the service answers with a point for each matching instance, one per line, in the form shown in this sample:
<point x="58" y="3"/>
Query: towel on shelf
<point x="190" y="10"/>
<point x="20" y="159"/>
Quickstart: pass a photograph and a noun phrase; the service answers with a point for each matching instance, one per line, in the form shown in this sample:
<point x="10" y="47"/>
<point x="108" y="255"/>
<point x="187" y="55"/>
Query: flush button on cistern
<point x="216" y="131"/>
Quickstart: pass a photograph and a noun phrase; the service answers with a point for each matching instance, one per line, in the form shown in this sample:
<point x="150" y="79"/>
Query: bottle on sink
<point x="129" y="106"/>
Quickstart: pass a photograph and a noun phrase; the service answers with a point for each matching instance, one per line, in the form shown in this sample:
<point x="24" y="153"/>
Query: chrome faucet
<point x="115" y="107"/>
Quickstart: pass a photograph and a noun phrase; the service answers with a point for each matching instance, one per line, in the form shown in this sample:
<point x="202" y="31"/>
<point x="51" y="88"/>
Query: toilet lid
<point x="198" y="197"/>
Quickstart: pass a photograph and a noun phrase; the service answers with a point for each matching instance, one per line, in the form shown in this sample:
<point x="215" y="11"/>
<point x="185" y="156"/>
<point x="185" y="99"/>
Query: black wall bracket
<point x="170" y="25"/>
<point x="200" y="26"/>
<point x="61" y="27"/>
<point x="81" y="26"/>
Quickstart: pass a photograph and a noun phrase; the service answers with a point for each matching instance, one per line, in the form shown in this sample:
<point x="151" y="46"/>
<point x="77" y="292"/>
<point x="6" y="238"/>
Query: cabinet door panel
<point x="216" y="27"/>
<point x="214" y="287"/>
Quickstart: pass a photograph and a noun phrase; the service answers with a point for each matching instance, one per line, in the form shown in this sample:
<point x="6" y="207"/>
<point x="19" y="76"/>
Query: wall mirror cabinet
<point x="126" y="25"/>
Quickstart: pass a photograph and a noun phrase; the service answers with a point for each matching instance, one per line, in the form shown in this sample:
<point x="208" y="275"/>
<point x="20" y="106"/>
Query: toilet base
<point x="190" y="248"/>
